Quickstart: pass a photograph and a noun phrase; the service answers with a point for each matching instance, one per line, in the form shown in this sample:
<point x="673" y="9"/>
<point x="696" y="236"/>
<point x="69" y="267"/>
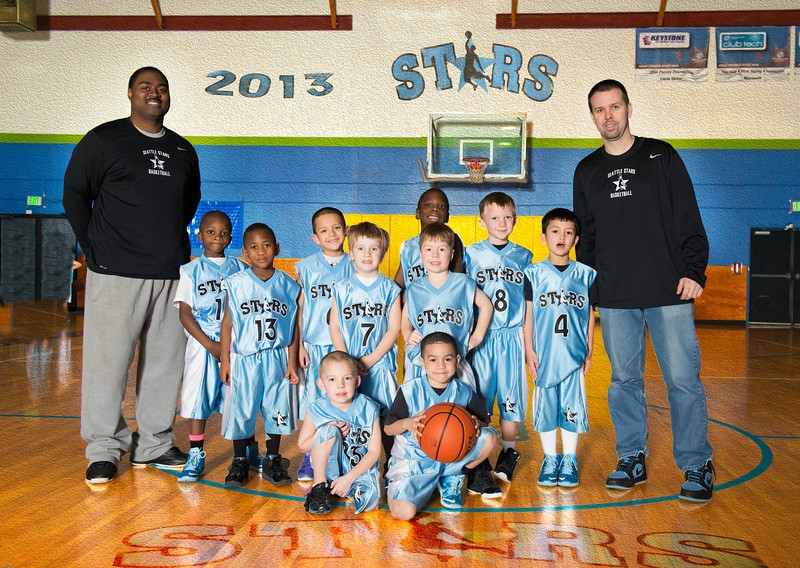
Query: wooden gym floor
<point x="145" y="518"/>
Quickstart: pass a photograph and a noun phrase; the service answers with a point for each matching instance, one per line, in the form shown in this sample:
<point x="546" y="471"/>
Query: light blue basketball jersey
<point x="500" y="274"/>
<point x="360" y="417"/>
<point x="420" y="396"/>
<point x="317" y="278"/>
<point x="208" y="297"/>
<point x="411" y="261"/>
<point x="262" y="312"/>
<point x="449" y="309"/>
<point x="561" y="313"/>
<point x="364" y="316"/>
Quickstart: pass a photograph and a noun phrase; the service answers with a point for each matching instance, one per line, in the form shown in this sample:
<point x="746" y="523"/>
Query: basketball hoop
<point x="476" y="168"/>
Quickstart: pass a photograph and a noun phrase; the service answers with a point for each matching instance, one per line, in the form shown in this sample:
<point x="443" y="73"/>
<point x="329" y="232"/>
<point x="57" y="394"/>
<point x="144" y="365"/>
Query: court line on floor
<point x="761" y="467"/>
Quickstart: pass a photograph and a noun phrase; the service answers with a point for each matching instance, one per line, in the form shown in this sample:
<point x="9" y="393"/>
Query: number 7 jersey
<point x="561" y="313"/>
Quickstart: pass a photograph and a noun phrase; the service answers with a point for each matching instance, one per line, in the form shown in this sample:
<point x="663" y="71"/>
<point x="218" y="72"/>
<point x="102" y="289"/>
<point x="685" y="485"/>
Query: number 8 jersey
<point x="560" y="318"/>
<point x="262" y="312"/>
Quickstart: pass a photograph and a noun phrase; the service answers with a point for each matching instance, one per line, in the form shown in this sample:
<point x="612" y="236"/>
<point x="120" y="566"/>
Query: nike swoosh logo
<point x="651" y="155"/>
<point x="184" y="149"/>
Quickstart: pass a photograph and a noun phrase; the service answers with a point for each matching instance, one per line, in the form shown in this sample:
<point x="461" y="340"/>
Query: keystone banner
<point x="753" y="54"/>
<point x="672" y="54"/>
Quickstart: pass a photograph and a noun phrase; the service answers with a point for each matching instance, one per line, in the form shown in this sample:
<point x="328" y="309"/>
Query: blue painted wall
<point x="284" y="185"/>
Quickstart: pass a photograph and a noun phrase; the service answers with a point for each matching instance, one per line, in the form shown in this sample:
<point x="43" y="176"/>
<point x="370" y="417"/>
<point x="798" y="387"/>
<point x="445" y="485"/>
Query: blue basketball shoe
<point x="450" y="491"/>
<point x="195" y="465"/>
<point x="568" y="471"/>
<point x="548" y="476"/>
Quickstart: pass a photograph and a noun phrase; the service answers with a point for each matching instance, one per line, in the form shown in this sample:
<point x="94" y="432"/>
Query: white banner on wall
<point x="672" y="54"/>
<point x="753" y="54"/>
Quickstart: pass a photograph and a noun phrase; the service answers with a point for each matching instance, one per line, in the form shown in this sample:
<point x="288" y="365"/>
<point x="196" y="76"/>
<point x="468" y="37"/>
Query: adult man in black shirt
<point x="642" y="232"/>
<point x="130" y="189"/>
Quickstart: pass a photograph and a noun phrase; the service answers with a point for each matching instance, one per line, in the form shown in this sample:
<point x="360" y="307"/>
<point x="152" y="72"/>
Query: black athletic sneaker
<point x="630" y="471"/>
<point x="317" y="499"/>
<point x="506" y="462"/>
<point x="274" y="470"/>
<point x="238" y="472"/>
<point x="699" y="484"/>
<point x="173" y="458"/>
<point x="101" y="472"/>
<point x="479" y="481"/>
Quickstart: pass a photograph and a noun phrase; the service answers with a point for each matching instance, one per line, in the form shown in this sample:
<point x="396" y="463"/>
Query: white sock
<point x="569" y="441"/>
<point x="549" y="442"/>
<point x="509" y="444"/>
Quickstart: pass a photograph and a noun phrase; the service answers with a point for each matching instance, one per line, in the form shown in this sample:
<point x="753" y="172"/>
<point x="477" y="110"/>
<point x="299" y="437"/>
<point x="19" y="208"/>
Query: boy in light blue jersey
<point x="559" y="333"/>
<point x="340" y="430"/>
<point x="365" y="319"/>
<point x="498" y="265"/>
<point x="432" y="207"/>
<point x="413" y="476"/>
<point x="317" y="274"/>
<point x="200" y="300"/>
<point x="258" y="348"/>
<point x="443" y="301"/>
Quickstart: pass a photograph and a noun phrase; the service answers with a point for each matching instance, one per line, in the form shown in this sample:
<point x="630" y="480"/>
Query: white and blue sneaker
<point x="568" y="471"/>
<point x="253" y="457"/>
<point x="548" y="477"/>
<point x="450" y="491"/>
<point x="306" y="472"/>
<point x="195" y="465"/>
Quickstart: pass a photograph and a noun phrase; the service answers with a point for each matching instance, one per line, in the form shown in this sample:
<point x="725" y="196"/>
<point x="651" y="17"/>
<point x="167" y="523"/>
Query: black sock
<point x="240" y="448"/>
<point x="274" y="445"/>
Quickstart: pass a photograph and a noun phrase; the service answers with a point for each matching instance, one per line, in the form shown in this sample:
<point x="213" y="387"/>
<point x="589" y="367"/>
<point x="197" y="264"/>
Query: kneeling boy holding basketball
<point x="342" y="432"/>
<point x="413" y="475"/>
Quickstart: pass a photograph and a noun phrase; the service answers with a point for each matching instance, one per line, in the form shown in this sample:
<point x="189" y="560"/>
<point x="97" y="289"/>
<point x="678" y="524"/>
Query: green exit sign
<point x="795" y="206"/>
<point x="34" y="200"/>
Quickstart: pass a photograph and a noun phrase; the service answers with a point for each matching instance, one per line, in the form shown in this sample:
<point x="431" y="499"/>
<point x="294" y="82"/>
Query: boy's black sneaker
<point x="101" y="472"/>
<point x="699" y="484"/>
<point x="506" y="462"/>
<point x="630" y="471"/>
<point x="238" y="472"/>
<point x="317" y="499"/>
<point x="479" y="481"/>
<point x="274" y="470"/>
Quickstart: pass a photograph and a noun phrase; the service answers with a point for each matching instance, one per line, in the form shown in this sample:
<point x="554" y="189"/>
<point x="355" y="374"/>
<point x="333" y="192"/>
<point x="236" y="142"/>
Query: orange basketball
<point x="448" y="432"/>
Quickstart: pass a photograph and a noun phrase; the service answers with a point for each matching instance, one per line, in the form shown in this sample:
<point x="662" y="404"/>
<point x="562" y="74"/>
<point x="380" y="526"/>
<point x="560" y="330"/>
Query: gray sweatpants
<point x="120" y="312"/>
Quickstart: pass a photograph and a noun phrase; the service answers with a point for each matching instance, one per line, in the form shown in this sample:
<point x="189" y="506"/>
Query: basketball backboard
<point x="499" y="137"/>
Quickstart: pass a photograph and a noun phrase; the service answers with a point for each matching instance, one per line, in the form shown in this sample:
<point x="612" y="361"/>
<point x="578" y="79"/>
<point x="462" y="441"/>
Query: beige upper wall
<point x="67" y="82"/>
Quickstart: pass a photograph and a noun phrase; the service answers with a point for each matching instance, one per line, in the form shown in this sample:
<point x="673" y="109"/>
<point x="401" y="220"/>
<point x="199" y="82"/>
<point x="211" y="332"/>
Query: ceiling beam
<point x="193" y="23"/>
<point x="159" y="16"/>
<point x="615" y="20"/>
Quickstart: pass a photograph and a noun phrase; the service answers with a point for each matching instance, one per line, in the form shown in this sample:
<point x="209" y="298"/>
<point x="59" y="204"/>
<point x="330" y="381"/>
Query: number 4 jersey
<point x="561" y="312"/>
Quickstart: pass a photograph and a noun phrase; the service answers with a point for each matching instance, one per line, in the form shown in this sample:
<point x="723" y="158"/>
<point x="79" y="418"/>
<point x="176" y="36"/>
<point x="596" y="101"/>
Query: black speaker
<point x="36" y="255"/>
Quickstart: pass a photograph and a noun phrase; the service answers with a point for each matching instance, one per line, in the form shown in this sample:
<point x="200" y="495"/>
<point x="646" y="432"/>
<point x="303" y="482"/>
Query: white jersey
<point x="561" y="313"/>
